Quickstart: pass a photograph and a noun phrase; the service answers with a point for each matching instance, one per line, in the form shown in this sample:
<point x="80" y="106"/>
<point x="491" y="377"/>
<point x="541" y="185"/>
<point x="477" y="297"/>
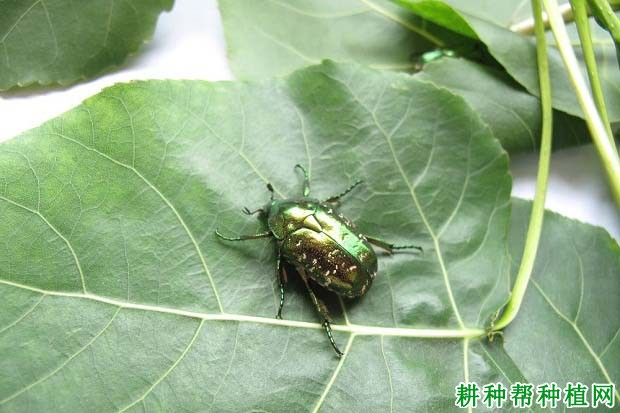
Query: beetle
<point x="322" y="245"/>
<point x="431" y="56"/>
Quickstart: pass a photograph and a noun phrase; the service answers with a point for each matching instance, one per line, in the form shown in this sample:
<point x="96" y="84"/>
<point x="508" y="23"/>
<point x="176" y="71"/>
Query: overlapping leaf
<point x="517" y="53"/>
<point x="512" y="114"/>
<point x="268" y="38"/>
<point x="273" y="37"/>
<point x="63" y="41"/>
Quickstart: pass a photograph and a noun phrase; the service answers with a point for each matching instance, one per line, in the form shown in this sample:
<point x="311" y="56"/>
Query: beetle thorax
<point x="289" y="215"/>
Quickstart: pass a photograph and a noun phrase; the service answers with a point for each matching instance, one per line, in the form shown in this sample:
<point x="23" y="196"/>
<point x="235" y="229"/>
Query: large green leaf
<point x="117" y="295"/>
<point x="114" y="283"/>
<point x="62" y="41"/>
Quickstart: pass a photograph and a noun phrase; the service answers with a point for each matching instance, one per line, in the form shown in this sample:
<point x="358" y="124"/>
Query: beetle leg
<point x="389" y="247"/>
<point x="322" y="310"/>
<point x="282" y="278"/>
<point x="244" y="237"/>
<point x="328" y="330"/>
<point x="335" y="198"/>
<point x="306" y="180"/>
<point x="247" y="211"/>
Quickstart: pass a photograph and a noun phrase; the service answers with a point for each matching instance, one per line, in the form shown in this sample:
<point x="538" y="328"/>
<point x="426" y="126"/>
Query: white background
<point x="189" y="44"/>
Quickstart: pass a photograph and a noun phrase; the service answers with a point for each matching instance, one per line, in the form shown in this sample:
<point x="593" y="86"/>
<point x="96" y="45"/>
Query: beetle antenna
<point x="336" y="198"/>
<point x="306" y="179"/>
<point x="408" y="247"/>
<point x="244" y="237"/>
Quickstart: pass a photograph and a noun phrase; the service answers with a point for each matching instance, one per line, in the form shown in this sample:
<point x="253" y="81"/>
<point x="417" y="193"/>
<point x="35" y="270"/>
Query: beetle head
<point x="263" y="213"/>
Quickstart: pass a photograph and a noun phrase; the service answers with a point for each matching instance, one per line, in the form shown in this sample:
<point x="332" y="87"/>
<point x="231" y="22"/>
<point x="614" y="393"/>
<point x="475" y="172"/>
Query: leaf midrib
<point x="349" y="328"/>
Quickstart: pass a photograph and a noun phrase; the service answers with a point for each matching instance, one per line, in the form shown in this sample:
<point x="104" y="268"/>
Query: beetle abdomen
<point x="326" y="262"/>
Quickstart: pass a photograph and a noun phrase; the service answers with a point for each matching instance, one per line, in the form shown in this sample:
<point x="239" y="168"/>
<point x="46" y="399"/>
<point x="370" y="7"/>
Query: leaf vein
<point x="167" y="373"/>
<point x="19" y="19"/>
<point x="332" y="379"/>
<point x="285" y="46"/>
<point x="389" y="373"/>
<point x="320" y="15"/>
<point x="609" y="344"/>
<point x="166" y="201"/>
<point x="230" y="363"/>
<point x="53" y="228"/>
<point x="584" y="341"/>
<point x="18" y="320"/>
<point x="64" y="364"/>
<point x="390" y="16"/>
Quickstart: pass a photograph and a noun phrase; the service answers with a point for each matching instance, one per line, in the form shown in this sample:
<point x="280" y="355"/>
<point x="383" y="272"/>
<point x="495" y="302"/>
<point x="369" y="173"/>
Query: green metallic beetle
<point x="431" y="56"/>
<point x="322" y="245"/>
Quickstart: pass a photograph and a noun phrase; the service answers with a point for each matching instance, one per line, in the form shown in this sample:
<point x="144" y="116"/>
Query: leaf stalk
<point x="583" y="27"/>
<point x="538" y="208"/>
<point x="604" y="12"/>
<point x="602" y="141"/>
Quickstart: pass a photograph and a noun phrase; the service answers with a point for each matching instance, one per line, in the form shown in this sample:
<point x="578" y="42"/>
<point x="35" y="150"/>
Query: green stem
<point x="602" y="141"/>
<point x="583" y="27"/>
<point x="603" y="10"/>
<point x="538" y="208"/>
